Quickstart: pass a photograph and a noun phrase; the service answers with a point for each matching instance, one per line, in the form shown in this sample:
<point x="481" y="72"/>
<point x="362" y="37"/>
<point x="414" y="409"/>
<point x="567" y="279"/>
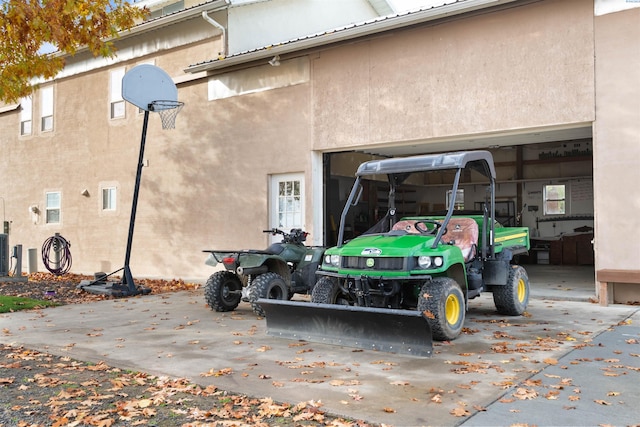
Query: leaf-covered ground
<point x="64" y="289"/>
<point x="38" y="389"/>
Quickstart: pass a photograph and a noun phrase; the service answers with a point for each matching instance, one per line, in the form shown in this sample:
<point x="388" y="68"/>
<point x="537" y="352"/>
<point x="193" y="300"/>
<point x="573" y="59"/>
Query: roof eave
<point x="352" y="32"/>
<point x="163" y="21"/>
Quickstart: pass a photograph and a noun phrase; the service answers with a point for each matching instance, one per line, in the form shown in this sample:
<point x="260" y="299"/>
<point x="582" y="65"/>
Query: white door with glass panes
<point x="287" y="203"/>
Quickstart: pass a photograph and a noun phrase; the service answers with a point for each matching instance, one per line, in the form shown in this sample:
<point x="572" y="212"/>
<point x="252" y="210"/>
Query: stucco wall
<point x="204" y="184"/>
<point x="522" y="67"/>
<point x="617" y="140"/>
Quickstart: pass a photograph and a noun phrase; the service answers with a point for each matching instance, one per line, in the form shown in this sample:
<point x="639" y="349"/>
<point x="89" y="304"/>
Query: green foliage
<point x="27" y="26"/>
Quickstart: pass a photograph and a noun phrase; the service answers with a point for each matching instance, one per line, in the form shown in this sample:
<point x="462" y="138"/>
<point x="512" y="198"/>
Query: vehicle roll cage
<point x="399" y="169"/>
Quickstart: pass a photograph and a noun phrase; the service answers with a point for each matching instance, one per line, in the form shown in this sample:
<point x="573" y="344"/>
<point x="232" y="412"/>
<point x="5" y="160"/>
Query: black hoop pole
<point x="127" y="276"/>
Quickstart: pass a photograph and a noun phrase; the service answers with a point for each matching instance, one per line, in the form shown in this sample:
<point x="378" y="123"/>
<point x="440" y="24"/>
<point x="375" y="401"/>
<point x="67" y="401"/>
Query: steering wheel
<point x="421" y="226"/>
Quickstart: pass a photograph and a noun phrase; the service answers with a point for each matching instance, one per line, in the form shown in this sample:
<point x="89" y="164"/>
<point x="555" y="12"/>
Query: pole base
<point x="113" y="289"/>
<point x="118" y="289"/>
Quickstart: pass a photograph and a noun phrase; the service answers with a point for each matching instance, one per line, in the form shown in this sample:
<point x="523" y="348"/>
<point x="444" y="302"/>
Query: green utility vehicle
<point x="408" y="280"/>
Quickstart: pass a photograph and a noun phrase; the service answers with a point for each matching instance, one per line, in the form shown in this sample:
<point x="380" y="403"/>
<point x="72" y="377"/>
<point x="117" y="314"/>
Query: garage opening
<point x="547" y="187"/>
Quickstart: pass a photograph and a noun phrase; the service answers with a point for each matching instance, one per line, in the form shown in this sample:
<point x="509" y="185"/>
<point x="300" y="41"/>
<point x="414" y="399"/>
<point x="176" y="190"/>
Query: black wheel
<point x="442" y="302"/>
<point x="222" y="291"/>
<point x="512" y="299"/>
<point x="269" y="286"/>
<point x="327" y="291"/>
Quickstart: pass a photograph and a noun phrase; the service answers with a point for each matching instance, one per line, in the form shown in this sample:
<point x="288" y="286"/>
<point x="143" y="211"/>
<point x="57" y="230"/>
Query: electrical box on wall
<point x="4" y="255"/>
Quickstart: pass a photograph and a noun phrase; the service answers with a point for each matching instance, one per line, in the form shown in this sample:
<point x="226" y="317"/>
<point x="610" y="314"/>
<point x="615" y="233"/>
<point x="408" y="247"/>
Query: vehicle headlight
<point x="332" y="260"/>
<point x="437" y="261"/>
<point x="335" y="260"/>
<point x="424" y="261"/>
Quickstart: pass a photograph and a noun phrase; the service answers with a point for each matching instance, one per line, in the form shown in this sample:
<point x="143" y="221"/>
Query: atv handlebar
<point x="274" y="231"/>
<point x="296" y="235"/>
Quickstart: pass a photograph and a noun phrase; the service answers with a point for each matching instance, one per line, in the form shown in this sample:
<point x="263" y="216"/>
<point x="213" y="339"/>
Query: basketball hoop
<point x="168" y="111"/>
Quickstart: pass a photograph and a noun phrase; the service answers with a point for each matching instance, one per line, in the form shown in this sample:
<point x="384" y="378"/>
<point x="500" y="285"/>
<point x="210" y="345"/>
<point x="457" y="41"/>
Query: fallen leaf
<point x="459" y="412"/>
<point x="525" y="394"/>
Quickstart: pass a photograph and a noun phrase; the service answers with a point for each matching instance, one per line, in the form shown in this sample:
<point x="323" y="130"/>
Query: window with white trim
<point x="109" y="199"/>
<point x="554" y="200"/>
<point x="46" y="108"/>
<point x="53" y="207"/>
<point x="26" y="115"/>
<point x="116" y="103"/>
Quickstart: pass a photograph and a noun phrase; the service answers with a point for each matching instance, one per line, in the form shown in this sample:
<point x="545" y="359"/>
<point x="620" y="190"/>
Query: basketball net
<point x="168" y="111"/>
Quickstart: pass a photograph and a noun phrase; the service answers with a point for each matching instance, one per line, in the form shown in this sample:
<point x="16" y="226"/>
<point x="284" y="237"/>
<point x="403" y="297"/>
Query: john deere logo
<point x="371" y="251"/>
<point x="371" y="262"/>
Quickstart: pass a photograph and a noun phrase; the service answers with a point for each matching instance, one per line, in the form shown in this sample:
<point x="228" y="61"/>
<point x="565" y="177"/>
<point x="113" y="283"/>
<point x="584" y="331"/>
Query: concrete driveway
<point x="178" y="335"/>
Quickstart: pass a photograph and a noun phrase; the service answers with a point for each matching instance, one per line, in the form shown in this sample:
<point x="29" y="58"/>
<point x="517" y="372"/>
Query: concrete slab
<point x="178" y="335"/>
<point x="595" y="384"/>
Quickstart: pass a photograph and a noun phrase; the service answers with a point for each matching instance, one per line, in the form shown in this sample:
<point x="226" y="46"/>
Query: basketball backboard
<point x="146" y="83"/>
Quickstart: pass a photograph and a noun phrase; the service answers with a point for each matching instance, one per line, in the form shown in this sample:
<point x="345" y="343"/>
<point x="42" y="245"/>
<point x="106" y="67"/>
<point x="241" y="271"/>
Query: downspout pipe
<point x="206" y="17"/>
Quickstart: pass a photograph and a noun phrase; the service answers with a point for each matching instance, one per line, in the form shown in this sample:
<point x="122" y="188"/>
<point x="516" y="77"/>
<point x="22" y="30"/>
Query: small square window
<point x="25" y="127"/>
<point x="109" y="199"/>
<point x="117" y="109"/>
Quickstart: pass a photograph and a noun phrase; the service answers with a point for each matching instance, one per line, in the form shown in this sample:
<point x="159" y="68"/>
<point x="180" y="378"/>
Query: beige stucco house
<point x="284" y="98"/>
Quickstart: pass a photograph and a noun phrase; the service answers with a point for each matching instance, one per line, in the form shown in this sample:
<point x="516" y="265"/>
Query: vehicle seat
<point x="275" y="249"/>
<point x="463" y="233"/>
<point x="408" y="225"/>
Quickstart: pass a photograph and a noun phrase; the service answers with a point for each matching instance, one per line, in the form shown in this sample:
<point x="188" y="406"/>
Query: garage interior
<point x="544" y="182"/>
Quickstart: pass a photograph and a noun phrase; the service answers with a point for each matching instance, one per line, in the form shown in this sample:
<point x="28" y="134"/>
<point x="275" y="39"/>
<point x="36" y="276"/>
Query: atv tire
<point x="442" y="302"/>
<point x="327" y="291"/>
<point x="269" y="285"/>
<point x="219" y="292"/>
<point x="512" y="299"/>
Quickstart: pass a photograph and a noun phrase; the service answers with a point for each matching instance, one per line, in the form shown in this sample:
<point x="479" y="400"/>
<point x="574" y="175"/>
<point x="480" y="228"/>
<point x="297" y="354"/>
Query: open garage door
<point x="545" y="182"/>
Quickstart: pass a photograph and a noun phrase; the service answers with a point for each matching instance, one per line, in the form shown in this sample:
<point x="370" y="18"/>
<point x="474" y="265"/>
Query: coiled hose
<point x="56" y="255"/>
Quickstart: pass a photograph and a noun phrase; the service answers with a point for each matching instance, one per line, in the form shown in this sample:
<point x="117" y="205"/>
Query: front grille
<point x="388" y="264"/>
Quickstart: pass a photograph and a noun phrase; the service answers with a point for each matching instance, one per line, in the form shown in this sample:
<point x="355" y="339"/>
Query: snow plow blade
<point x="394" y="331"/>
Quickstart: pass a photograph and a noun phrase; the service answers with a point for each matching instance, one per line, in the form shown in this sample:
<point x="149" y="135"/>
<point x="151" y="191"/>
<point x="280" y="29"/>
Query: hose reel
<point x="56" y="255"/>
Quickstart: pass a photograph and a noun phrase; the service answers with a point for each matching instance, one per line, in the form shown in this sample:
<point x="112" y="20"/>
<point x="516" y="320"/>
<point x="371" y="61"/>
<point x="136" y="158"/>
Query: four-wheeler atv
<point x="277" y="272"/>
<point x="403" y="282"/>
